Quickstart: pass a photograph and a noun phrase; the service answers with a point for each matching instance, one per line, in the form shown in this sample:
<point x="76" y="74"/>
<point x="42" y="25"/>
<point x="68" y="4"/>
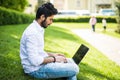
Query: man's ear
<point x="42" y="17"/>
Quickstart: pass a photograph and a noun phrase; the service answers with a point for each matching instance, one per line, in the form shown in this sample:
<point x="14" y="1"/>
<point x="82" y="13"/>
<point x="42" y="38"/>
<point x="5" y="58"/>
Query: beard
<point x="44" y="24"/>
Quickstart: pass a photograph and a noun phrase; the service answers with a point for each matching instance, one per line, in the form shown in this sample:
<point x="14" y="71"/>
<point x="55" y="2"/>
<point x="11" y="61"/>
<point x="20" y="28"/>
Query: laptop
<point x="81" y="52"/>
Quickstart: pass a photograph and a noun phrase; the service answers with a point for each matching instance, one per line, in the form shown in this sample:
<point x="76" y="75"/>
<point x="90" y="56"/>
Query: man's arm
<point x="54" y="58"/>
<point x="49" y="60"/>
<point x="55" y="54"/>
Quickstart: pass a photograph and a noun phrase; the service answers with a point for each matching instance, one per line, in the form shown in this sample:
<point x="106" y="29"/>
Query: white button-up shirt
<point x="32" y="47"/>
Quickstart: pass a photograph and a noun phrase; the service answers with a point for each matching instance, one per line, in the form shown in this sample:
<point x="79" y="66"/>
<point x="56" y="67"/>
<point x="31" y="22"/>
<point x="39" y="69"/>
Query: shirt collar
<point x="38" y="26"/>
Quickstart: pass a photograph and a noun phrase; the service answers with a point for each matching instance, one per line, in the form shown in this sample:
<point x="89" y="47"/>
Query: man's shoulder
<point x="30" y="29"/>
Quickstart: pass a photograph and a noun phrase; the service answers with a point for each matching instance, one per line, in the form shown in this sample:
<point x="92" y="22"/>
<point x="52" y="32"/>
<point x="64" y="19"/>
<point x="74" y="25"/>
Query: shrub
<point x="84" y="19"/>
<point x="8" y="16"/>
<point x="18" y="5"/>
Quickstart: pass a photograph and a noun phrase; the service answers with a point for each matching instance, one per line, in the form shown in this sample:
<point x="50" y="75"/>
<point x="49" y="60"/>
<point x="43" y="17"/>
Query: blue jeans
<point x="57" y="70"/>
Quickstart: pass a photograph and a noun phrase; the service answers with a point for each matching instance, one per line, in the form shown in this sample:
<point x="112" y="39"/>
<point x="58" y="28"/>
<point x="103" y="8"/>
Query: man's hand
<point x="55" y="54"/>
<point x="58" y="55"/>
<point x="60" y="59"/>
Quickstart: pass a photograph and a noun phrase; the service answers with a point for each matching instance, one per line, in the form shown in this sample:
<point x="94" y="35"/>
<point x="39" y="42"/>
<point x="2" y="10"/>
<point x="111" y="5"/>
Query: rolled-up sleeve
<point x="34" y="50"/>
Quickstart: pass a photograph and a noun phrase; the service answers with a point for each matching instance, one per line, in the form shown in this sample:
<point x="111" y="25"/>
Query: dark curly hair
<point x="46" y="9"/>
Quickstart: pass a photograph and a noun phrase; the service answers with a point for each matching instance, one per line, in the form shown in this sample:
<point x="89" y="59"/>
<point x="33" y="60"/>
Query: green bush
<point x="84" y="19"/>
<point x="18" y="5"/>
<point x="8" y="16"/>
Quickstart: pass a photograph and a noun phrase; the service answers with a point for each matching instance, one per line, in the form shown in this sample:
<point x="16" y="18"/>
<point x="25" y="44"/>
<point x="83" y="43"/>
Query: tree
<point x="40" y="2"/>
<point x="18" y="5"/>
<point x="118" y="13"/>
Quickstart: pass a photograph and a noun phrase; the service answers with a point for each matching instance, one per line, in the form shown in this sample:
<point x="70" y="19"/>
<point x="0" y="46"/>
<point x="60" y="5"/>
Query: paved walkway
<point x="106" y="44"/>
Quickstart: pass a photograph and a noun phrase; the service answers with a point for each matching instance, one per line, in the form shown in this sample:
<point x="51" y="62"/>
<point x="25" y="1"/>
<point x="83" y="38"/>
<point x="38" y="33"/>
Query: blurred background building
<point x="93" y="6"/>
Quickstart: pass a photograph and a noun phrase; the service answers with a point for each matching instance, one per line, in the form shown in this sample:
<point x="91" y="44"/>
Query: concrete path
<point x="106" y="44"/>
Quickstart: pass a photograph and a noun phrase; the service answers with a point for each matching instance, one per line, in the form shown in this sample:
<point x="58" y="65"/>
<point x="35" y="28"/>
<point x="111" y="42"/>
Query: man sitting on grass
<point x="35" y="61"/>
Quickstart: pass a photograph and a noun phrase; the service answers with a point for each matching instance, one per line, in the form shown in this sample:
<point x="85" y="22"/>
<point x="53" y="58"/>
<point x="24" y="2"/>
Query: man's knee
<point x="74" y="69"/>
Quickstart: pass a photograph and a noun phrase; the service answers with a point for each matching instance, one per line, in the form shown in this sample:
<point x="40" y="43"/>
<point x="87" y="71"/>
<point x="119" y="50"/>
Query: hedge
<point x="84" y="19"/>
<point x="8" y="16"/>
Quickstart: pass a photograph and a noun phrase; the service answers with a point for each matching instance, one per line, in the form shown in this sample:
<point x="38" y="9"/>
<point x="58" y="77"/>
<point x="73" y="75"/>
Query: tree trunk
<point x="118" y="18"/>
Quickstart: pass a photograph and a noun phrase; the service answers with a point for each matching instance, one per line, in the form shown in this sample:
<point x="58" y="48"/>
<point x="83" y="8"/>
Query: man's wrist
<point x="53" y="58"/>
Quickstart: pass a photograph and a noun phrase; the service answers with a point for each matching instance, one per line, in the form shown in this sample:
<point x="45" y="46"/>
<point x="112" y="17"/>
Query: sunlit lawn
<point x="111" y="27"/>
<point x="95" y="66"/>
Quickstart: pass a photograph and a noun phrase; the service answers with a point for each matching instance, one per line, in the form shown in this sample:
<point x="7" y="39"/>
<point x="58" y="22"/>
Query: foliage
<point x="18" y="5"/>
<point x="8" y="16"/>
<point x="84" y="19"/>
<point x="118" y="18"/>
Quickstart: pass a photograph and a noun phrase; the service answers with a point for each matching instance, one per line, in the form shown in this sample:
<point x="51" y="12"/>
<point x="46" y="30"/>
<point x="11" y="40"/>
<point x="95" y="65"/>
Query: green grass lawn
<point x="95" y="66"/>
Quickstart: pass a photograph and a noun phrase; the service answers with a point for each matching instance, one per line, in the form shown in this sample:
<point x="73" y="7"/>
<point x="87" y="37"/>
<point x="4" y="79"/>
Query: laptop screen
<point x="82" y="50"/>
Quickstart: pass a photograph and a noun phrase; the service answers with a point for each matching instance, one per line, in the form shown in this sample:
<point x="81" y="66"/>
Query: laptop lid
<point x="82" y="50"/>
